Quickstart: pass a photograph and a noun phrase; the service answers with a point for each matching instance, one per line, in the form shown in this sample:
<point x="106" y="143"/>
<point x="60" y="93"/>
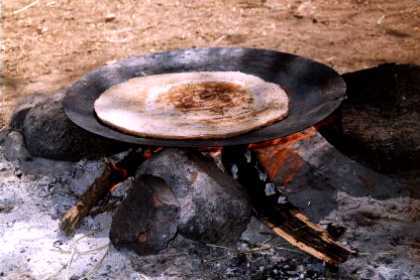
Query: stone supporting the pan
<point x="50" y="134"/>
<point x="182" y="193"/>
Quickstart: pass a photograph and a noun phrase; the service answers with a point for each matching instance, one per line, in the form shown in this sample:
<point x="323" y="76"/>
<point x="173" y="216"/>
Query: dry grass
<point x="52" y="43"/>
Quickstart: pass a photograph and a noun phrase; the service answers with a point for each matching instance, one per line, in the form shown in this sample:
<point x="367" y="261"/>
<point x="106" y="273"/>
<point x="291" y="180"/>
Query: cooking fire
<point x="318" y="188"/>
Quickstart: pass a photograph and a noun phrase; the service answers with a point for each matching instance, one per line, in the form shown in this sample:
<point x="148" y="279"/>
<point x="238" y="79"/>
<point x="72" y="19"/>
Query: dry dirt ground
<point x="49" y="44"/>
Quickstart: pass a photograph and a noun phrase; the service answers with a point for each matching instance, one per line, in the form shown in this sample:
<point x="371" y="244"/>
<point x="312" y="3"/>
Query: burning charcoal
<point x="49" y="133"/>
<point x="148" y="218"/>
<point x="214" y="208"/>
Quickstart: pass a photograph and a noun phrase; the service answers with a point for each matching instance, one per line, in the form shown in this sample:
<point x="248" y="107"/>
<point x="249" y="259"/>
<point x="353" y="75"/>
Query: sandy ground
<point x="50" y="44"/>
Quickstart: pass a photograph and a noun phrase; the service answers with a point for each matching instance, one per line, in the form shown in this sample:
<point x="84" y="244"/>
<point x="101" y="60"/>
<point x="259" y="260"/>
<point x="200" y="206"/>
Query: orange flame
<point x="279" y="153"/>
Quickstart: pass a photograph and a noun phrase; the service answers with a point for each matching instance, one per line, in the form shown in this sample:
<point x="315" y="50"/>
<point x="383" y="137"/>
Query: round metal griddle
<point x="314" y="90"/>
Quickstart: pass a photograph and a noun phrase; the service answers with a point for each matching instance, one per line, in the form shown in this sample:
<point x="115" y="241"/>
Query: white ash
<point x="234" y="171"/>
<point x="282" y="200"/>
<point x="31" y="242"/>
<point x="248" y="156"/>
<point x="270" y="189"/>
<point x="262" y="175"/>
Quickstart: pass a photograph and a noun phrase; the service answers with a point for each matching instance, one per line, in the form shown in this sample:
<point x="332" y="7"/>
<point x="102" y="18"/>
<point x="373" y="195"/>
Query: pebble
<point x="110" y="17"/>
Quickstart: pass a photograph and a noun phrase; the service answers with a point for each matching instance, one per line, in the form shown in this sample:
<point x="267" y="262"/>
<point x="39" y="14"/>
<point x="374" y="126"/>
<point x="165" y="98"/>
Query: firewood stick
<point x="284" y="219"/>
<point x="310" y="238"/>
<point x="112" y="174"/>
<point x="94" y="193"/>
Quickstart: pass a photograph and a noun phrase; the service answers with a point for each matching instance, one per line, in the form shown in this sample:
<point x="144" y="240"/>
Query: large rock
<point x="210" y="206"/>
<point x="49" y="133"/>
<point x="379" y="123"/>
<point x="214" y="207"/>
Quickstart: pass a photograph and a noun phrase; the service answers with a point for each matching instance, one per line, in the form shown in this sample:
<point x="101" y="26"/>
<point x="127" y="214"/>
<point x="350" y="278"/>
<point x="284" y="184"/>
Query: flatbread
<point x="192" y="105"/>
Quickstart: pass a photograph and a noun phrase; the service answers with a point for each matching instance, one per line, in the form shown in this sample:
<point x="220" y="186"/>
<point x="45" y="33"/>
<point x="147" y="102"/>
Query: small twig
<point x="98" y="265"/>
<point x="26" y="7"/>
<point x="216" y="259"/>
<point x="74" y="253"/>
<point x="55" y="274"/>
<point x="68" y="265"/>
<point x="218" y="40"/>
<point x="143" y="276"/>
<point x="219" y="247"/>
<point x="380" y="253"/>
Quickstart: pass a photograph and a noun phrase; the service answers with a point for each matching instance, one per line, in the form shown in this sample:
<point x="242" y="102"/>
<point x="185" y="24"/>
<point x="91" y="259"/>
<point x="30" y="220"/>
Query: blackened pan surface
<point x="314" y="89"/>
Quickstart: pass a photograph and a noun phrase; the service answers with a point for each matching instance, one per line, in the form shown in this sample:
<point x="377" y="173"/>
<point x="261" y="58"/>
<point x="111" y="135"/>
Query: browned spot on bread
<point x="207" y="96"/>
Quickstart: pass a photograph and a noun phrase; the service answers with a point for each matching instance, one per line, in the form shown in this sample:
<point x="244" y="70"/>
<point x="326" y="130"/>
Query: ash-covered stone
<point x="213" y="207"/>
<point x="16" y="152"/>
<point x="50" y="134"/>
<point x="15" y="149"/>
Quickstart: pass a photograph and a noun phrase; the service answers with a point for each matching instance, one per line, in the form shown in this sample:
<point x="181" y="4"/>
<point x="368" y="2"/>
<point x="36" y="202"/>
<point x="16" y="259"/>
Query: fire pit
<point x="314" y="91"/>
<point x="186" y="213"/>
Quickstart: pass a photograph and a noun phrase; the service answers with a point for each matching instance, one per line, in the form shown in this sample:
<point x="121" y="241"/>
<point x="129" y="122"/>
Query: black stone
<point x="50" y="134"/>
<point x="379" y="124"/>
<point x="25" y="104"/>
<point x="214" y="207"/>
<point x="147" y="219"/>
